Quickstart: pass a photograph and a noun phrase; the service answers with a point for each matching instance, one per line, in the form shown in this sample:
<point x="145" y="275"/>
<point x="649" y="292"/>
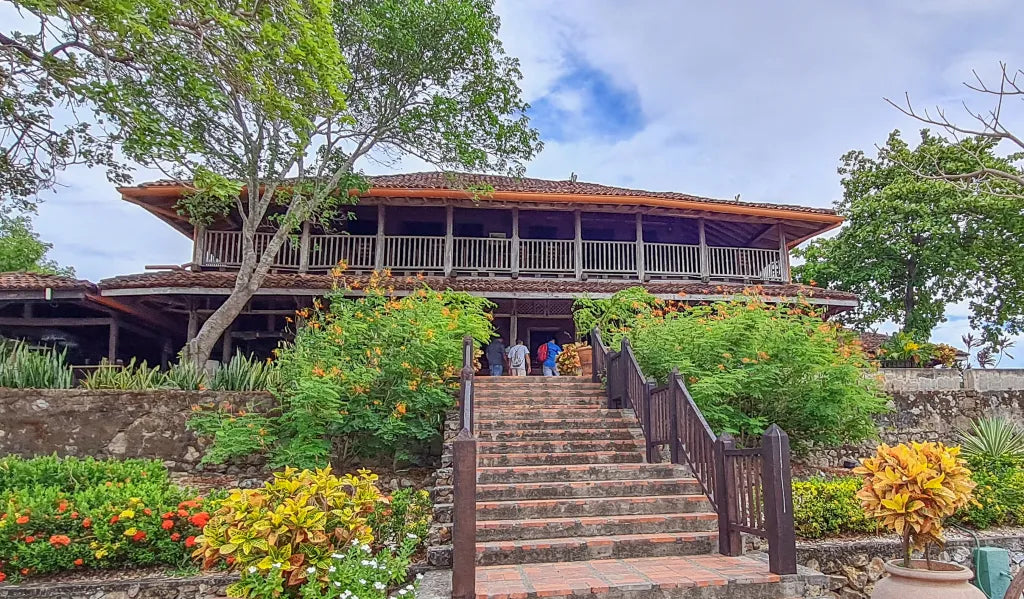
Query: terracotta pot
<point x="943" y="581"/>
<point x="586" y="355"/>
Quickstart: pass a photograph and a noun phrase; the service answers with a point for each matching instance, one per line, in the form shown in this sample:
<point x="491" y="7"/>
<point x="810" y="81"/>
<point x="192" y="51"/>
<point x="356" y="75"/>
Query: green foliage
<point x="21" y="250"/>
<point x="243" y="373"/>
<point x="999" y="494"/>
<point x="615" y="316"/>
<point x="828" y="507"/>
<point x="369" y="376"/>
<point x="133" y="376"/>
<point x="71" y="514"/>
<point x="748" y="364"/>
<point x="993" y="440"/>
<point x="914" y="243"/>
<point x="22" y="367"/>
<point x="187" y="376"/>
<point x="406" y="516"/>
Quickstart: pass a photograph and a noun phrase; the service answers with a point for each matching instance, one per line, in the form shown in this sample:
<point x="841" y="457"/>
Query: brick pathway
<point x="527" y="581"/>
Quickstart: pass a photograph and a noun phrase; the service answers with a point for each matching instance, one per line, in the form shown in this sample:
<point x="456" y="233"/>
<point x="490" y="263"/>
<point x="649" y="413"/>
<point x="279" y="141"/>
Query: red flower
<point x="167" y="525"/>
<point x="22" y="519"/>
<point x="24" y="571"/>
<point x="3" y="577"/>
<point x="200" y="519"/>
<point x="60" y="541"/>
<point x="30" y="539"/>
<point x="189" y="504"/>
<point x="87" y="523"/>
<point x="231" y="560"/>
<point x="139" y="536"/>
<point x="74" y="515"/>
<point x="183" y="513"/>
<point x="175" y="537"/>
<point x="147" y="512"/>
<point x="62" y="507"/>
<point x="114" y="519"/>
<point x="190" y="542"/>
<point x="167" y="515"/>
<point x="79" y="562"/>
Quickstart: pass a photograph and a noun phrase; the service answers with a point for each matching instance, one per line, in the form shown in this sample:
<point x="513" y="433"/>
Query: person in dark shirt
<point x="495" y="353"/>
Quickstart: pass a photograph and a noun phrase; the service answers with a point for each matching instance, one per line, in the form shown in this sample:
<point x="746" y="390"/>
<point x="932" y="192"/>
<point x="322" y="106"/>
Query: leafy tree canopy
<point x="914" y="243"/>
<point x="21" y="250"/>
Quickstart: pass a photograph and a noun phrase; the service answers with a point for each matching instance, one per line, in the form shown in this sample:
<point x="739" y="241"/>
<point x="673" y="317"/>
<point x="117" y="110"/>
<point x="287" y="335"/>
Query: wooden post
<point x="303" y="247"/>
<point x="193" y="321"/>
<point x="776" y="478"/>
<point x="515" y="242"/>
<point x="198" y="247"/>
<point x="464" y="516"/>
<point x="783" y="256"/>
<point x="624" y="399"/>
<point x="513" y="329"/>
<point x="648" y="425"/>
<point x="112" y="339"/>
<point x="378" y="258"/>
<point x="673" y="415"/>
<point x="26" y="310"/>
<point x="449" y="239"/>
<point x="705" y="266"/>
<point x="577" y="217"/>
<point x="165" y="355"/>
<point x="729" y="541"/>
<point x="612" y="379"/>
<point x="640" y="266"/>
<point x="225" y="347"/>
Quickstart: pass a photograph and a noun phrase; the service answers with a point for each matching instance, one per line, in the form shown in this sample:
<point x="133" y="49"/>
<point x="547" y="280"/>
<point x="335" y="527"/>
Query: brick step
<point x="554" y="434"/>
<point x="578" y="472"/>
<point x="513" y="413"/>
<point x="486" y="423"/>
<point x="534" y="380"/>
<point x="574" y="549"/>
<point x="557" y="446"/>
<point x="593" y="526"/>
<point x="539" y="459"/>
<point x="493" y="392"/>
<point x="522" y="402"/>
<point x="590" y="506"/>
<point x="601" y="488"/>
<point x="670" y="577"/>
<point x="586" y="389"/>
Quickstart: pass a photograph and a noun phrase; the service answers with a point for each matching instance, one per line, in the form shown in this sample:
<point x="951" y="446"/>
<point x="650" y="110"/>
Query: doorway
<point x="536" y="337"/>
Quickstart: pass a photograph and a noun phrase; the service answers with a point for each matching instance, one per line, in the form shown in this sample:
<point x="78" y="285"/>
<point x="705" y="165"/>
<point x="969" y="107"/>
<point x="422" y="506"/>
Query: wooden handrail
<point x="464" y="452"/>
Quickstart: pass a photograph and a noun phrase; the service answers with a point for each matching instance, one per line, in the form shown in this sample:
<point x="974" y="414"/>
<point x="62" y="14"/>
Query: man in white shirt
<point x="519" y="359"/>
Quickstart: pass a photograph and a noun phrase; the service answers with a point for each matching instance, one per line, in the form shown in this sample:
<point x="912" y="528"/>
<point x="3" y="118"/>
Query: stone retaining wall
<point x="198" y="587"/>
<point x="108" y="423"/>
<point x="949" y="379"/>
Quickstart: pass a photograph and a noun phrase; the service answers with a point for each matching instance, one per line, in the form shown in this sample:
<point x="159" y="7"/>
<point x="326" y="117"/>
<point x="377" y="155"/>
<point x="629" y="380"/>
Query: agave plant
<point x="22" y="367"/>
<point x="132" y="377"/>
<point x="993" y="439"/>
<point x="245" y="373"/>
<point x="186" y="375"/>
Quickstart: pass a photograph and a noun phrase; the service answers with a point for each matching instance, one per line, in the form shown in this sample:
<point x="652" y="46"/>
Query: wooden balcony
<point x="489" y="256"/>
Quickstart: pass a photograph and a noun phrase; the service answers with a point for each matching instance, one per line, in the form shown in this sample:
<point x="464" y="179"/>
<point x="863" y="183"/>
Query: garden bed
<point x="138" y="584"/>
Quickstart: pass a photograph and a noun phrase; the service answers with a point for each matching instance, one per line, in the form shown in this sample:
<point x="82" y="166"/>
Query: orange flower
<point x="167" y="525"/>
<point x="79" y="562"/>
<point x="317" y="371"/>
<point x="60" y="541"/>
<point x="22" y="519"/>
<point x="175" y="537"/>
<point x="114" y="519"/>
<point x="190" y="542"/>
<point x="30" y="539"/>
<point x="139" y="536"/>
<point x="147" y="511"/>
<point x="200" y="519"/>
<point x="3" y="577"/>
<point x="183" y="513"/>
<point x="87" y="523"/>
<point x="721" y="366"/>
<point x="400" y="408"/>
<point x="74" y="515"/>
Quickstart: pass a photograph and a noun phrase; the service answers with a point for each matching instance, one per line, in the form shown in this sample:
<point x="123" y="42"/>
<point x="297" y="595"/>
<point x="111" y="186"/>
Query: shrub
<point x="376" y="373"/>
<point x="405" y="516"/>
<point x="568" y="361"/>
<point x="59" y="515"/>
<point x="824" y="507"/>
<point x="615" y="316"/>
<point x="748" y="364"/>
<point x="22" y="367"/>
<point x="187" y="376"/>
<point x="243" y="373"/>
<point x="993" y="440"/>
<point x="133" y="376"/>
<point x="911" y="490"/>
<point x="296" y="522"/>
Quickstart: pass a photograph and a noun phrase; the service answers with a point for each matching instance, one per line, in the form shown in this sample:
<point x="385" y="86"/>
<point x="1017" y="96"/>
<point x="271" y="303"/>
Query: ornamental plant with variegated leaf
<point x="912" y="489"/>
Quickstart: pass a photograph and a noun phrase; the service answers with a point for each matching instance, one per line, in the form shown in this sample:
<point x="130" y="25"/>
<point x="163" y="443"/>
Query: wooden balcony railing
<point x="536" y="257"/>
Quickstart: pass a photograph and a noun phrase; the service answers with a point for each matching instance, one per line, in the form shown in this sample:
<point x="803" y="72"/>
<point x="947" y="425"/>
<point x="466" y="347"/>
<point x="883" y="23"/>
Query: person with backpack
<point x="547" y="355"/>
<point x="495" y="352"/>
<point x="519" y="359"/>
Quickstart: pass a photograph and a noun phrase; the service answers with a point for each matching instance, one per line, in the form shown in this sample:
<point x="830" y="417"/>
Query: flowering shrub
<point x="614" y="316"/>
<point x="911" y="490"/>
<point x="69" y="514"/>
<point x="748" y="363"/>
<point x="373" y="373"/>
<point x="405" y="515"/>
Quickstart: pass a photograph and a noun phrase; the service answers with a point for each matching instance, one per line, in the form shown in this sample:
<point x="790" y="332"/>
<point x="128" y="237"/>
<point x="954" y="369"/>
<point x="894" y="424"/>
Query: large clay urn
<point x="942" y="581"/>
<point x="586" y="355"/>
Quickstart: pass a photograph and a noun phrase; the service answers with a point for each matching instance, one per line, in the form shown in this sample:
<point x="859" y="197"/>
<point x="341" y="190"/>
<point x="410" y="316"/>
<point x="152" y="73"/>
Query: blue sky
<point x="711" y="98"/>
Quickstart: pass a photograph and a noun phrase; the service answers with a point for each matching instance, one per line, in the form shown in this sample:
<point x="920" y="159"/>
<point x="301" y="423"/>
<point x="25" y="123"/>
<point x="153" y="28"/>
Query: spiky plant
<point x="995" y="439"/>
<point x="132" y="377"/>
<point x="187" y="376"/>
<point x="245" y="373"/>
<point x="22" y="367"/>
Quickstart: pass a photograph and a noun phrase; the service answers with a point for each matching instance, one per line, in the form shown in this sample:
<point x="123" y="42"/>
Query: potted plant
<point x="585" y="355"/>
<point x="910" y="490"/>
<point x="569" y="362"/>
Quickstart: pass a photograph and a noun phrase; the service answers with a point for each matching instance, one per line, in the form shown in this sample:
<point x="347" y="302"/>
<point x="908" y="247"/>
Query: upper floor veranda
<point x="427" y="223"/>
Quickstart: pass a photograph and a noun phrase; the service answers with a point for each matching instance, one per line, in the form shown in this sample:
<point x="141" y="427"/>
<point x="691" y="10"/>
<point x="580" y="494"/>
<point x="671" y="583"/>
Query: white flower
<point x="331" y="569"/>
<point x="276" y="565"/>
<point x="252" y="569"/>
<point x="419" y="577"/>
<point x="408" y="587"/>
<point x="310" y="570"/>
<point x="366" y="548"/>
<point x="338" y="584"/>
<point x="403" y="591"/>
<point x="362" y="581"/>
<point x="379" y="586"/>
<point x="365" y="562"/>
<point x="355" y="542"/>
<point x="337" y="555"/>
<point x="411" y="536"/>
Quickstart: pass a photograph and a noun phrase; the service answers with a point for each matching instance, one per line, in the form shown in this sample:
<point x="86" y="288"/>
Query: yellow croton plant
<point x="911" y="489"/>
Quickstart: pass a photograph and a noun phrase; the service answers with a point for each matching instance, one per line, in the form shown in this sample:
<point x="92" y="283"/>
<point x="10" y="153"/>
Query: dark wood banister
<point x="748" y="499"/>
<point x="464" y="450"/>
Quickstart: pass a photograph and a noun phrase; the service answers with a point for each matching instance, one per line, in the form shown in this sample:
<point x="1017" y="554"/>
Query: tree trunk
<point x="909" y="299"/>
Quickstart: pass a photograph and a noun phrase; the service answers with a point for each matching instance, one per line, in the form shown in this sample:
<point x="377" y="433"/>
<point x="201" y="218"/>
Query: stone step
<point x="578" y="472"/>
<point x="593" y="526"/>
<point x="539" y="459"/>
<point x="590" y="506"/>
<point x="558" y="446"/>
<point x="485" y="423"/>
<point x="601" y="488"/>
<point x="534" y="380"/>
<point x="587" y="388"/>
<point x="491" y="393"/>
<point x="595" y="414"/>
<point x="566" y="434"/>
<point x="574" y="549"/>
<point x="518" y="401"/>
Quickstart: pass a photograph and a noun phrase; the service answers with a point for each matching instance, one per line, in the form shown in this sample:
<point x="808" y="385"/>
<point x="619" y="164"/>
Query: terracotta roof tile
<point x="28" y="281"/>
<point x="225" y="280"/>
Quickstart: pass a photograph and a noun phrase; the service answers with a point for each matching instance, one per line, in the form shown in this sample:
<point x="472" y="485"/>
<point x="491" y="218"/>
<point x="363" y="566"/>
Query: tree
<point x="21" y="250"/>
<point x="265" y="108"/>
<point x="915" y="242"/>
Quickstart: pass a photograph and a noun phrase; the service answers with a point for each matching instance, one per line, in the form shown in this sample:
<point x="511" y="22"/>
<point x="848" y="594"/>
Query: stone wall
<point x="107" y="423"/>
<point x="198" y="587"/>
<point x="947" y="379"/>
<point x="853" y="566"/>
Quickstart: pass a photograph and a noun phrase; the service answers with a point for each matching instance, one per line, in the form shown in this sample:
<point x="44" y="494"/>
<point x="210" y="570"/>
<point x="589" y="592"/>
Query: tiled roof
<point x="226" y="280"/>
<point x="28" y="281"/>
<point x="458" y="181"/>
<point x="872" y="341"/>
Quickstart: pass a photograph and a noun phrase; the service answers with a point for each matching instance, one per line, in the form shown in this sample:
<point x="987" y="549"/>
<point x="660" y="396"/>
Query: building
<point x="530" y="245"/>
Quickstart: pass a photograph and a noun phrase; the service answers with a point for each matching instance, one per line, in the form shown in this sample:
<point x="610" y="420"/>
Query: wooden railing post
<point x="673" y="415"/>
<point x="464" y="517"/>
<point x="649" y="386"/>
<point x="625" y="402"/>
<point x="729" y="541"/>
<point x="778" y="501"/>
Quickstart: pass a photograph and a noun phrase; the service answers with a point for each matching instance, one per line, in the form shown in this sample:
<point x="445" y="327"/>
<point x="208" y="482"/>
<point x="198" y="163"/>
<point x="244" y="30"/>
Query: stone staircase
<point x="566" y="505"/>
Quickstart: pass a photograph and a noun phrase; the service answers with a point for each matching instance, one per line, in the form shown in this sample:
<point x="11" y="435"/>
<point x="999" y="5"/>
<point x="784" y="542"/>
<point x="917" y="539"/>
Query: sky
<point x="714" y="99"/>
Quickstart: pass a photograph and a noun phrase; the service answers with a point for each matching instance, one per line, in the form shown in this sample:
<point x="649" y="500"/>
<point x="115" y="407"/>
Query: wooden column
<point x="225" y="347"/>
<point x="705" y="265"/>
<point x="783" y="255"/>
<point x="378" y="258"/>
<point x="515" y="242"/>
<point x="513" y="329"/>
<point x="449" y="239"/>
<point x="112" y="339"/>
<point x="777" y="483"/>
<point x="198" y="247"/>
<point x="640" y="266"/>
<point x="303" y="247"/>
<point x="193" y="321"/>
<point x="578" y="246"/>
